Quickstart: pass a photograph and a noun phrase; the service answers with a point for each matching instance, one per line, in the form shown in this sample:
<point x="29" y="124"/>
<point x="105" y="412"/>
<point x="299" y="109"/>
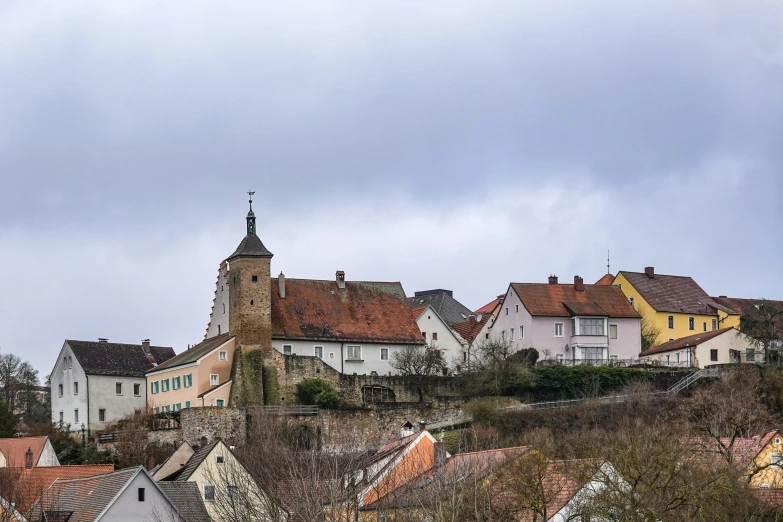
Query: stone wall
<point x="228" y="424"/>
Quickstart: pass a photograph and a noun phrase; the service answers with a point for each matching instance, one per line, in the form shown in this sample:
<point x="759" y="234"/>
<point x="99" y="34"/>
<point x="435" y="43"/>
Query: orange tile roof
<point x="14" y="449"/>
<point x="416" y="312"/>
<point x="562" y="481"/>
<point x="470" y="329"/>
<point x="488" y="308"/>
<point x="32" y="482"/>
<point x="555" y="300"/>
<point x="606" y="280"/>
<point x="363" y="311"/>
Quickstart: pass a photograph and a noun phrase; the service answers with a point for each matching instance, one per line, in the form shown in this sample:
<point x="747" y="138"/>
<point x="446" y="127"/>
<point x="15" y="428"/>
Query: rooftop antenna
<point x="608" y="271"/>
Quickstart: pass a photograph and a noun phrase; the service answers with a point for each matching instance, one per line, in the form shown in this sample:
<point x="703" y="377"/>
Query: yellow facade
<point x="765" y="468"/>
<point x="680" y="324"/>
<point x="180" y="387"/>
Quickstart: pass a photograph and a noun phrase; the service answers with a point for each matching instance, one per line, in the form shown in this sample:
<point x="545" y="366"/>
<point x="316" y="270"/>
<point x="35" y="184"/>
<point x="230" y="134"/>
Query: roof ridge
<point x="489" y="451"/>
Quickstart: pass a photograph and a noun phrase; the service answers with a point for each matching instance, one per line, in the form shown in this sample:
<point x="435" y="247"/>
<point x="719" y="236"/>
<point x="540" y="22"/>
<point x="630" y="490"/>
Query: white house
<point x="96" y="383"/>
<point x="569" y="323"/>
<point x="436" y="332"/>
<point x="723" y="346"/>
<point x="27" y="452"/>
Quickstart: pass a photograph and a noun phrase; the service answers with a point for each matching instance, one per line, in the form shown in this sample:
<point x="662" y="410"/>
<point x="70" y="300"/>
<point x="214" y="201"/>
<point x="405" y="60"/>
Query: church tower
<point x="250" y="312"/>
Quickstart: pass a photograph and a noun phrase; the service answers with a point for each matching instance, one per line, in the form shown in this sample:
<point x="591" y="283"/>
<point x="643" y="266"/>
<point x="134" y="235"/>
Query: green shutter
<point x="187" y="404"/>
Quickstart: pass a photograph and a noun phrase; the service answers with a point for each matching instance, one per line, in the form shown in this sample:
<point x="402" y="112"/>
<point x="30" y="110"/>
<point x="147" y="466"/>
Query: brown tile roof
<point x="563" y="480"/>
<point x="606" y="280"/>
<point x="32" y="482"/>
<point x="678" y="294"/>
<point x="755" y="314"/>
<point x="361" y="312"/>
<point x="691" y="340"/>
<point x="470" y="329"/>
<point x="14" y="449"/>
<point x="194" y="353"/>
<point x="82" y="499"/>
<point x="544" y="299"/>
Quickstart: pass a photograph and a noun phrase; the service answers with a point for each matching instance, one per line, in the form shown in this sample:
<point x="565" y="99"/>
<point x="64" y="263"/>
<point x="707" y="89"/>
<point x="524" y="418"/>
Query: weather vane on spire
<point x="251" y="193"/>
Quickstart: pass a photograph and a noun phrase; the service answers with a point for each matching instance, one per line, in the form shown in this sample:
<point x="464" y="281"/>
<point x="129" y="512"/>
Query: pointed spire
<point x="251" y="245"/>
<point x="251" y="218"/>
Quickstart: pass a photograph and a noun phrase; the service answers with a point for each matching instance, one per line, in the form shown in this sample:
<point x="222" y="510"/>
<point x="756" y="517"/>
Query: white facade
<point x="218" y="318"/>
<point x="605" y="476"/>
<point x="128" y="508"/>
<point x="342" y="356"/>
<point x="437" y="333"/>
<point x="92" y="400"/>
<point x="727" y="348"/>
<point x="621" y="338"/>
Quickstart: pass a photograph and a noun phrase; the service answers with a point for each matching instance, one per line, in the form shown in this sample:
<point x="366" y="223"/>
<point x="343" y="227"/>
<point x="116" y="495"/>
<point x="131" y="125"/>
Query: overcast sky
<point x="451" y="144"/>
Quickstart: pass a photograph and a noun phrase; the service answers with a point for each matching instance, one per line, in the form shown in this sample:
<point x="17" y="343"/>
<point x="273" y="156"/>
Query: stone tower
<point x="249" y="310"/>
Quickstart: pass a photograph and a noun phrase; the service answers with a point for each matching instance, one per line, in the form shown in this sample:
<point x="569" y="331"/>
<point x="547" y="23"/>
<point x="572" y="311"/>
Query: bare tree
<point x="495" y="368"/>
<point x="419" y="364"/>
<point x="650" y="332"/>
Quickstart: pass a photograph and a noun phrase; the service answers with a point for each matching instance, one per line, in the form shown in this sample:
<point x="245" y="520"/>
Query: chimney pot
<point x="650" y="271"/>
<point x="28" y="458"/>
<point x="422" y="425"/>
<point x="579" y="284"/>
<point x="340" y="276"/>
<point x="553" y="280"/>
<point x="281" y="285"/>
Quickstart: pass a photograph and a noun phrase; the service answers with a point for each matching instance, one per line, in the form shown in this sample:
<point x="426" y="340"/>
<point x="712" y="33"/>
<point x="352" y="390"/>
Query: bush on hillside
<point x="317" y="392"/>
<point x="556" y="382"/>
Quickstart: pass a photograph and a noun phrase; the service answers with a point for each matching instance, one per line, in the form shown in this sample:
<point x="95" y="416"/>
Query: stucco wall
<point x="48" y="456"/>
<point x="218" y="318"/>
<point x="68" y="402"/>
<point x="334" y="355"/>
<point x="104" y="396"/>
<point x="127" y="508"/>
<point x="452" y="349"/>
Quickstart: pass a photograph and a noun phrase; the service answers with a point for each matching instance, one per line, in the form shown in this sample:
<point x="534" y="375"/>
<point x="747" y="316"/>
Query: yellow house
<point x="676" y="305"/>
<point x="197" y="377"/>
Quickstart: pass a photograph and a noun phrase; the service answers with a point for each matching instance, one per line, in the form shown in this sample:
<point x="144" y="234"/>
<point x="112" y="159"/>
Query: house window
<point x="671" y="322"/>
<point x="667" y="359"/>
<point x="137" y="389"/>
<point x="691" y="323"/>
<point x="517" y="307"/>
<point x="118" y="388"/>
<point x="434" y="336"/>
<point x="233" y="492"/>
<point x="558" y="329"/>
<point x="521" y="332"/>
<point x="506" y="310"/>
<point x="775" y="460"/>
<point x="353" y="353"/>
<point x="178" y="406"/>
<point x="593" y="353"/>
<point x="220" y="403"/>
<point x="102" y="415"/>
<point x="224" y="311"/>
<point x="331" y="355"/>
<point x="209" y="493"/>
<point x="777" y="440"/>
<point x="60" y="390"/>
<point x="714" y="324"/>
<point x="223" y="355"/>
<point x="189" y="380"/>
<point x="384" y="354"/>
<point x="705" y="326"/>
<point x="750" y="355"/>
<point x="165" y="385"/>
<point x="76" y="416"/>
<point x="677" y="356"/>
<point x="503" y="335"/>
<point x="214" y="379"/>
<point x="632" y="302"/>
<point x="612" y="331"/>
<point x="591" y="327"/>
<point x="61" y="417"/>
<point x="175" y="383"/>
<point x="155" y="410"/>
<point x="424" y="335"/>
<point x="512" y="335"/>
<point x="613" y="358"/>
<point x="464" y="356"/>
<point x="219" y="459"/>
<point x="254" y="279"/>
<point x="187" y="404"/>
<point x="713" y="355"/>
<point x="141" y="494"/>
<point x="76" y="388"/>
<point x="559" y="358"/>
<point x="318" y="351"/>
<point x="287" y="349"/>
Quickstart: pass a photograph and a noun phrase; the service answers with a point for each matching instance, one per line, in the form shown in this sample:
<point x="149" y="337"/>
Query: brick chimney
<point x="472" y="320"/>
<point x="650" y="271"/>
<point x="440" y="453"/>
<point x="501" y="298"/>
<point x="553" y="280"/>
<point x="145" y="346"/>
<point x="281" y="285"/>
<point x="340" y="275"/>
<point x="422" y="425"/>
<point x="579" y="284"/>
<point x="28" y="458"/>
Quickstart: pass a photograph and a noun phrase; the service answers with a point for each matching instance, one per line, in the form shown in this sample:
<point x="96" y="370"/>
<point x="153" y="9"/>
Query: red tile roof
<point x="554" y="300"/>
<point x="31" y="483"/>
<point x="14" y="449"/>
<point x="678" y="294"/>
<point x="563" y="480"/>
<point x="691" y="340"/>
<point x="605" y="280"/>
<point x="470" y="329"/>
<point x="489" y="307"/>
<point x="416" y="312"/>
<point x="361" y="312"/>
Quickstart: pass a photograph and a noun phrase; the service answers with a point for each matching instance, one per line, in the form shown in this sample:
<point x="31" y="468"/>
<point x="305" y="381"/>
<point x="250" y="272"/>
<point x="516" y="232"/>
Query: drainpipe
<point x="342" y="359"/>
<point x="87" y="377"/>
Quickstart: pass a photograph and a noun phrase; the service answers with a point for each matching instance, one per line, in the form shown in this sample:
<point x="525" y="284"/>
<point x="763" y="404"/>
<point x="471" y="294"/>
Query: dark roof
<point x="361" y="312"/>
<point x="678" y="294"/>
<point x="443" y="302"/>
<point x="82" y="499"/>
<point x="186" y="497"/>
<point x="250" y="246"/>
<point x="129" y="360"/>
<point x="562" y="300"/>
<point x="691" y="340"/>
<point x="759" y="317"/>
<point x="193" y="463"/>
<point x="194" y="353"/>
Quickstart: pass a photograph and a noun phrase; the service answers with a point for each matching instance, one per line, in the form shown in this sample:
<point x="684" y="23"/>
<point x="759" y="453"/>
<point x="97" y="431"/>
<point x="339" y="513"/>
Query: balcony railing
<point x="590" y="362"/>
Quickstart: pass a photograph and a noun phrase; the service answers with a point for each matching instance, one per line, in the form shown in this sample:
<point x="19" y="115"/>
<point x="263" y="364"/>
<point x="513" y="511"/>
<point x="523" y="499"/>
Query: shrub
<point x="317" y="392"/>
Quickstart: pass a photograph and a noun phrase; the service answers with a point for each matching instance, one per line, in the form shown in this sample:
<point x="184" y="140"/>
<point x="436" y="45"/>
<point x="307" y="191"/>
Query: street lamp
<point x="84" y="438"/>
